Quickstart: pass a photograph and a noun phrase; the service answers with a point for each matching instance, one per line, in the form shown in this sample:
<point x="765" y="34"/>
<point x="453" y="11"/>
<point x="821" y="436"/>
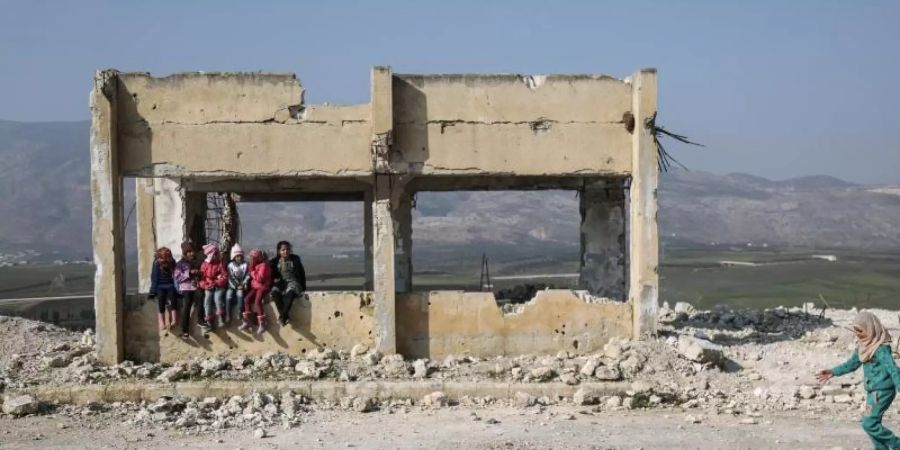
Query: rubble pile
<point x="722" y="361"/>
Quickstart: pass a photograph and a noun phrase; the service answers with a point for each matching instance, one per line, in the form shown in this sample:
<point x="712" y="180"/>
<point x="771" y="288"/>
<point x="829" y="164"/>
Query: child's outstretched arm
<point x="886" y="359"/>
<point x="849" y="366"/>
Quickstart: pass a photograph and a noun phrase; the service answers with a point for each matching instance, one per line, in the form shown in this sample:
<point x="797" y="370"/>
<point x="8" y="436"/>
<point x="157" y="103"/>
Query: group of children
<point x="220" y="289"/>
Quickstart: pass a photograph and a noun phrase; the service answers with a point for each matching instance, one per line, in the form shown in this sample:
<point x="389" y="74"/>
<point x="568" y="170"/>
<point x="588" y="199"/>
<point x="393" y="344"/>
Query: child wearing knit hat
<point x="238" y="283"/>
<point x="213" y="281"/>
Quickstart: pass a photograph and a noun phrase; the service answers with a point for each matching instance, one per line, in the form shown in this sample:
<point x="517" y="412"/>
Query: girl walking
<point x="260" y="283"/>
<point x="882" y="378"/>
<point x="162" y="287"/>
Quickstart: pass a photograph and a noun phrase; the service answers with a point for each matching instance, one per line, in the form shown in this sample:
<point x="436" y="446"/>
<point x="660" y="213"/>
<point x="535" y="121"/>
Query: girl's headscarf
<point x="873" y="333"/>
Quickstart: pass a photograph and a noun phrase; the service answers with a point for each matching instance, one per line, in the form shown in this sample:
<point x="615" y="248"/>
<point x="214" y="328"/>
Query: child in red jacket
<point x="260" y="283"/>
<point x="213" y="281"/>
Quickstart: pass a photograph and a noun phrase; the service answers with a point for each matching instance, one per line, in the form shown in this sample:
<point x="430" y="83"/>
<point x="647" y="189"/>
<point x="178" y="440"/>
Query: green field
<point x="786" y="277"/>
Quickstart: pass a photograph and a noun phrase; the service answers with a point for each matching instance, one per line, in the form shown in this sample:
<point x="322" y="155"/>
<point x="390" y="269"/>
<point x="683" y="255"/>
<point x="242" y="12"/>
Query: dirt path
<point x="457" y="427"/>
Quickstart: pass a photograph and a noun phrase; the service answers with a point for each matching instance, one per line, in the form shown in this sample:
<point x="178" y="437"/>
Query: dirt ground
<point x="468" y="428"/>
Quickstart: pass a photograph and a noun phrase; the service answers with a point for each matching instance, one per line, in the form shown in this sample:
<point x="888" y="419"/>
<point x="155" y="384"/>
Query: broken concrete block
<point x="700" y="350"/>
<point x="589" y="367"/>
<point x="608" y="373"/>
<point x="612" y="350"/>
<point x="20" y="405"/>
<point x="420" y="368"/>
<point x="524" y="400"/>
<point x="585" y="397"/>
<point x="541" y="374"/>
<point x="171" y="374"/>
<point x="436" y="399"/>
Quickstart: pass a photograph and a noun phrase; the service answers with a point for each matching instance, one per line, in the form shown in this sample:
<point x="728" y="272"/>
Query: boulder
<point x="524" y="400"/>
<point x="20" y="405"/>
<point x="701" y="350"/>
<point x="436" y="399"/>
<point x="541" y="373"/>
<point x="608" y="373"/>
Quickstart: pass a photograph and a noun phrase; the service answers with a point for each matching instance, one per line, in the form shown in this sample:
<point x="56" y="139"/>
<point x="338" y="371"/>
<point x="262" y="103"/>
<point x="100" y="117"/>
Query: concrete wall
<point x="235" y="125"/>
<point x="336" y="320"/>
<point x="476" y="124"/>
<point x="252" y="133"/>
<point x="439" y="323"/>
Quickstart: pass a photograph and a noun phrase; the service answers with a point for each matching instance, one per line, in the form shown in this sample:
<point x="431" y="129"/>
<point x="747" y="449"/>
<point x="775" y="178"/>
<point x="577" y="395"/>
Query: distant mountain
<point x="45" y="174"/>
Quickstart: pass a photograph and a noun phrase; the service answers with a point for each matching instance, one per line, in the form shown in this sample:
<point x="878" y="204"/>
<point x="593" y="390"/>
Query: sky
<point x="777" y="89"/>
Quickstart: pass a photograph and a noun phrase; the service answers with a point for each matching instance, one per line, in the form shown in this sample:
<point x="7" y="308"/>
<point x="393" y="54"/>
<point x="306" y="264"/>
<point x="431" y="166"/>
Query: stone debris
<point x="700" y="350"/>
<point x="420" y="368"/>
<point x="436" y="399"/>
<point x="711" y="362"/>
<point x="20" y="405"/>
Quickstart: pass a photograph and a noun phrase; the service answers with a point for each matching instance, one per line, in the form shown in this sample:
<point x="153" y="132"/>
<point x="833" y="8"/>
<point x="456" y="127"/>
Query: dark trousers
<point x="190" y="300"/>
<point x="165" y="298"/>
<point x="284" y="301"/>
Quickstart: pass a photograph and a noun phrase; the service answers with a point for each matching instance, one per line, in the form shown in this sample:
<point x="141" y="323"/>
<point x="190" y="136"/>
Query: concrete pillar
<point x="602" y="208"/>
<point x="401" y="210"/>
<point x="368" y="238"/>
<point x="643" y="286"/>
<point x="146" y="229"/>
<point x="106" y="207"/>
<point x="383" y="232"/>
<point x="170" y="218"/>
<point x="382" y="117"/>
<point x="383" y="267"/>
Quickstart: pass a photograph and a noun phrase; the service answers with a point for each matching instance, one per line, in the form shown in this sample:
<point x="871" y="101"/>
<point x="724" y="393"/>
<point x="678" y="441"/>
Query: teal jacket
<point x="880" y="372"/>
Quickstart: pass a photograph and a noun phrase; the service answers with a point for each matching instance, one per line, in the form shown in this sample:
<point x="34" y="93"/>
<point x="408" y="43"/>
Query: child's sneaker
<point x="244" y="326"/>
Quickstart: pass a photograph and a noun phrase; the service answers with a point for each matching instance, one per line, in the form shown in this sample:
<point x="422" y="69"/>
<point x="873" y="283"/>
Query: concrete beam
<point x="603" y="248"/>
<point x="106" y="207"/>
<point x="643" y="286"/>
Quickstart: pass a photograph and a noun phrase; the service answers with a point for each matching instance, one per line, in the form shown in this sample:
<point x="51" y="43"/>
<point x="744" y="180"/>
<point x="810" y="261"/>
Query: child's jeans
<point x="212" y="302"/>
<point x="230" y="297"/>
<point x="877" y="403"/>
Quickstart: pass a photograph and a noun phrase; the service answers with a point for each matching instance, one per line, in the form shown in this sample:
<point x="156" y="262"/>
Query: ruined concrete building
<point x="186" y="135"/>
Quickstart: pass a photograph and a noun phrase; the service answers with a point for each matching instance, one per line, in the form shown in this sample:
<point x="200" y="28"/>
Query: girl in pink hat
<point x="213" y="280"/>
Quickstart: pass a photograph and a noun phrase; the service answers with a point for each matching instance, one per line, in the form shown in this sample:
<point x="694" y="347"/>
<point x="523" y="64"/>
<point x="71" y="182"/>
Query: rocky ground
<point x="735" y="376"/>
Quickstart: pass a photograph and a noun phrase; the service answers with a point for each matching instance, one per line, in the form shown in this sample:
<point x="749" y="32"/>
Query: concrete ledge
<point x="317" y="390"/>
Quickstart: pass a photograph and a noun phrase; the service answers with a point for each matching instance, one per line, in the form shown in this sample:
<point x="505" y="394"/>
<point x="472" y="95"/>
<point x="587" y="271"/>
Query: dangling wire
<point x="666" y="160"/>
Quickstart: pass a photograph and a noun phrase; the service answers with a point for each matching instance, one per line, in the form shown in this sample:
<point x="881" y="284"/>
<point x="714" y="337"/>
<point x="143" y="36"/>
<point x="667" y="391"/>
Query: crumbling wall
<point x="337" y="320"/>
<point x="236" y="124"/>
<point x="439" y="323"/>
<point x="457" y="124"/>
